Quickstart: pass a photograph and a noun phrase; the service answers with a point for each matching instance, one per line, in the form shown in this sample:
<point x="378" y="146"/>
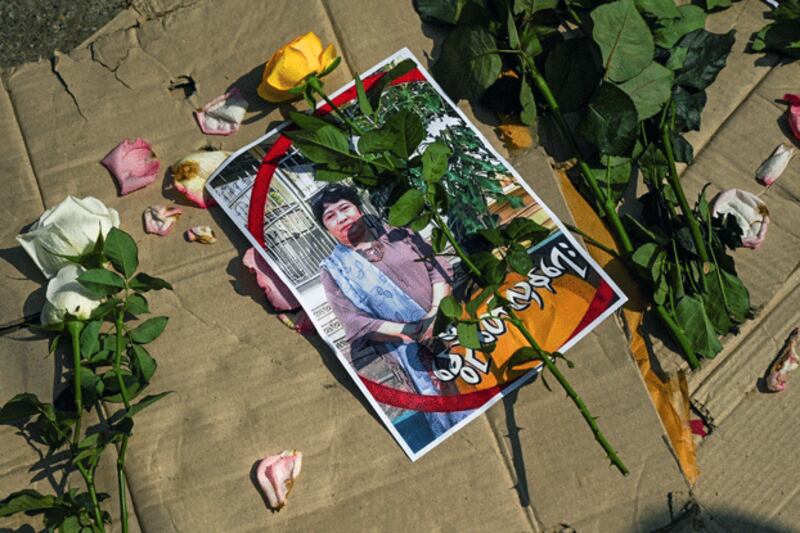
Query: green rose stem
<point x="544" y="356"/>
<point x="123" y="449"/>
<point x="674" y="182"/>
<point x="316" y="86"/>
<point x="609" y="210"/>
<point x="74" y="327"/>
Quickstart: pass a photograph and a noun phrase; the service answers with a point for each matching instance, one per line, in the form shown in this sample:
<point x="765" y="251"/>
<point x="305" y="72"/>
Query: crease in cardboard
<point x="54" y="62"/>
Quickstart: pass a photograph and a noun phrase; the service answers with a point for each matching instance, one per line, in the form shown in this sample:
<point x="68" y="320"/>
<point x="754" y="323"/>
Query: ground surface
<point x="33" y="29"/>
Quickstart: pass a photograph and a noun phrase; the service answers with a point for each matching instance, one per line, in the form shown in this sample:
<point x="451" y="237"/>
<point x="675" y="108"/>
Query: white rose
<point x="70" y="228"/>
<point x="66" y="295"/>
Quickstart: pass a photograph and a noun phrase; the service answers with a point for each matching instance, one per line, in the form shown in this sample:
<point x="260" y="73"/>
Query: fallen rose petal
<point x="133" y="165"/>
<point x="748" y="210"/>
<point x="276" y="475"/>
<point x="771" y="169"/>
<point x="223" y="114"/>
<point x="786" y="361"/>
<point x="159" y="219"/>
<point x="201" y="234"/>
<point x="278" y="294"/>
<point x="191" y="172"/>
<point x="303" y="324"/>
<point x="794" y="113"/>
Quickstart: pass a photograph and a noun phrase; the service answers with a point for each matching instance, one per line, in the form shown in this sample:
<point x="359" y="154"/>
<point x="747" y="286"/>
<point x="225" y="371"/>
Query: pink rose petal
<point x="223" y="114"/>
<point x="278" y="294"/>
<point x="159" y="219"/>
<point x="794" y="113"/>
<point x="133" y="165"/>
<point x="276" y="475"/>
<point x="787" y="361"/>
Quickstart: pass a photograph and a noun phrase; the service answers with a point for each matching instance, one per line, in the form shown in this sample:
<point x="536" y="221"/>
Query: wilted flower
<point x="69" y="229"/>
<point x="159" y="219"/>
<point x="223" y="114"/>
<point x="191" y="173"/>
<point x="133" y="164"/>
<point x="291" y="64"/>
<point x="276" y="475"/>
<point x="786" y="361"/>
<point x="794" y="113"/>
<point x="771" y="169"/>
<point x="278" y="294"/>
<point x="749" y="212"/>
<point x="201" y="234"/>
<point x="66" y="295"/>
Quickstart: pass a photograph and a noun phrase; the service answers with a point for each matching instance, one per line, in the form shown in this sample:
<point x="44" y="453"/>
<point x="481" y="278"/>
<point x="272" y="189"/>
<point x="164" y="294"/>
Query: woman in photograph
<point x="385" y="286"/>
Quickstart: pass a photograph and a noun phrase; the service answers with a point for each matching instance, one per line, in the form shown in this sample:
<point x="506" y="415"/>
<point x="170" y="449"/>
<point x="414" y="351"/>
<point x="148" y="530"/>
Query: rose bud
<point x="223" y="114"/>
<point x="794" y="113"/>
<point x="201" y="234"/>
<point x="292" y="64"/>
<point x="159" y="219"/>
<point x="786" y="361"/>
<point x="276" y="475"/>
<point x="133" y="165"/>
<point x="771" y="169"/>
<point x="70" y="228"/>
<point x="749" y="212"/>
<point x="66" y="295"/>
<point x="191" y="172"/>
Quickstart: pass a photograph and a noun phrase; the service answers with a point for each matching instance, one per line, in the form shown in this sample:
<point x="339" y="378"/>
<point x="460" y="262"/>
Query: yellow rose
<point x="290" y="65"/>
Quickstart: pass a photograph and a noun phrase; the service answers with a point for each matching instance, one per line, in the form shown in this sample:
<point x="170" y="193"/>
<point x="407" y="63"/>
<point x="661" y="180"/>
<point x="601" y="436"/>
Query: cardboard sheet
<point x="239" y="375"/>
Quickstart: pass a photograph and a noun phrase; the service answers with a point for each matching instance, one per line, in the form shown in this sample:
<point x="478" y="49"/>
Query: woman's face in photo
<point x="343" y="220"/>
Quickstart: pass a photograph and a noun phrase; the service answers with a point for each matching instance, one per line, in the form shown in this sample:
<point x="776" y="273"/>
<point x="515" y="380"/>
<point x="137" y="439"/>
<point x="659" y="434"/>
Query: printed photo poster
<point x="372" y="289"/>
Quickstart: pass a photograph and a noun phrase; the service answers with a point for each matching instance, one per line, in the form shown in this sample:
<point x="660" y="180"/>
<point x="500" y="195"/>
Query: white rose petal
<point x="70" y="228"/>
<point x="66" y="295"/>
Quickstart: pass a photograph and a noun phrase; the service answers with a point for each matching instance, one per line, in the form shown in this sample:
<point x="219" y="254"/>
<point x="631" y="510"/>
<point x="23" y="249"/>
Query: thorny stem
<point x="88" y="478"/>
<point x="317" y="88"/>
<point x="121" y="480"/>
<point x="562" y="380"/>
<point x="609" y="210"/>
<point x="674" y="181"/>
<point x="74" y="327"/>
<point x="591" y="240"/>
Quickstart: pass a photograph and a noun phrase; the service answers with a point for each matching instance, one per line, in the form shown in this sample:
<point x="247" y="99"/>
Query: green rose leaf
<point x="519" y="260"/>
<point x="727" y="305"/>
<point x="611" y="121"/>
<point x="142" y="282"/>
<point x="677" y="58"/>
<point x="691" y="315"/>
<point x="782" y="37"/>
<point x="522" y="356"/>
<point x="406" y="128"/>
<point x="327" y="144"/>
<point x="438" y="240"/>
<point x="111" y="390"/>
<point x="660" y="9"/>
<point x="706" y="55"/>
<point x="684" y="153"/>
<point x="468" y="335"/>
<point x="614" y="180"/>
<point x="450" y="307"/>
<point x="434" y="161"/>
<point x="407" y="207"/>
<point x="90" y="338"/>
<point x="691" y="18"/>
<point x="524" y="229"/>
<point x="374" y="93"/>
<point x="457" y="12"/>
<point x="649" y="89"/>
<point x="363" y="102"/>
<point x="625" y="41"/>
<point x="27" y="500"/>
<point x="149" y="330"/>
<point x="143" y="363"/>
<point x="649" y="258"/>
<point x="101" y="282"/>
<point x="468" y="64"/>
<point x="308" y="121"/>
<point x="688" y="108"/>
<point x="120" y="249"/>
<point x="136" y="304"/>
<point x="571" y="72"/>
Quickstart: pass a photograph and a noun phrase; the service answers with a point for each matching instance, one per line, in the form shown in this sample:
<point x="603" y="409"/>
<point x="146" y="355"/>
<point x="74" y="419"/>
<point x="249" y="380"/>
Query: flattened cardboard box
<point x="175" y="485"/>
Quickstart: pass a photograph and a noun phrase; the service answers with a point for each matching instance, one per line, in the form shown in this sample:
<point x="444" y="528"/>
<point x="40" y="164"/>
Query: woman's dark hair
<point x="331" y="194"/>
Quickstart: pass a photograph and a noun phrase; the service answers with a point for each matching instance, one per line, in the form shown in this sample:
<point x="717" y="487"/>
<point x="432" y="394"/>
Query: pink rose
<point x="276" y="475"/>
<point x="794" y="113"/>
<point x="748" y="210"/>
<point x="786" y="361"/>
